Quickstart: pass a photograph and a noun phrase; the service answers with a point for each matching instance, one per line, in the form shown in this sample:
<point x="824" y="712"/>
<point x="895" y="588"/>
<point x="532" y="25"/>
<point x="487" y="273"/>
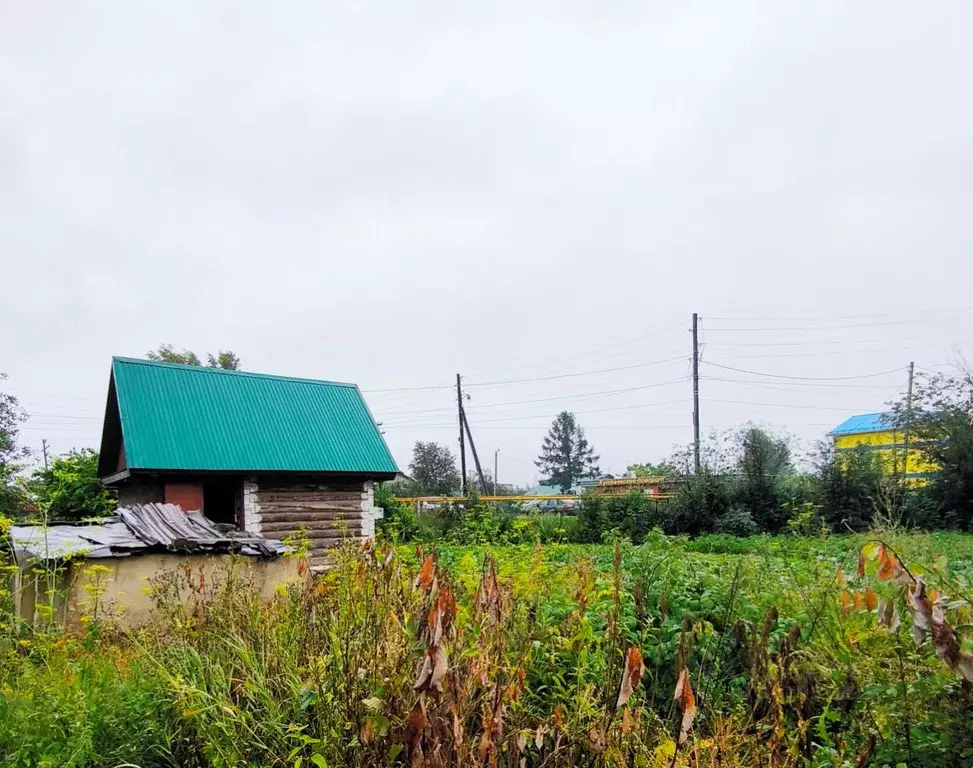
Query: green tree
<point x="433" y="469"/>
<point x="848" y="486"/>
<point x="662" y="469"/>
<point x="940" y="427"/>
<point x="763" y="462"/>
<point x="565" y="453"/>
<point x="12" y="499"/>
<point x="71" y="487"/>
<point x="166" y="353"/>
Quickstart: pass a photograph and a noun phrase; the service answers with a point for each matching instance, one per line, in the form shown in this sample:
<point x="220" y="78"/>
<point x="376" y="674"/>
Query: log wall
<point x="321" y="514"/>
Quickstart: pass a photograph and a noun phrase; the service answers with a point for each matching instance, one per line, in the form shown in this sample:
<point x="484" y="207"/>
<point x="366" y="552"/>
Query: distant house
<point x="272" y="455"/>
<point x="878" y="432"/>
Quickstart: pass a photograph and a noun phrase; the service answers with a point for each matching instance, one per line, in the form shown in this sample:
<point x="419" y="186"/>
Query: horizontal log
<point x="279" y="496"/>
<point x="286" y="505"/>
<point x="330" y="543"/>
<point x="312" y="533"/>
<point x="275" y="527"/>
<point x="309" y="515"/>
<point x="304" y="488"/>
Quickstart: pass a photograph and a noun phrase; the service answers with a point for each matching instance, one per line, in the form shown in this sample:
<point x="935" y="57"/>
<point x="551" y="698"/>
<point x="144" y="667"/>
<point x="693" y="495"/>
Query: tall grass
<point x="505" y="656"/>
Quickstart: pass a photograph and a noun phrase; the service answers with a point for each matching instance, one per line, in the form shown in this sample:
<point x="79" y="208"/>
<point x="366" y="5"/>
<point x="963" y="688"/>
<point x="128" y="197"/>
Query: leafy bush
<point x="478" y="522"/>
<point x="631" y="515"/>
<point x="848" y="486"/>
<point x="699" y="502"/>
<point x="399" y="522"/>
<point x="70" y="489"/>
<point x="736" y="522"/>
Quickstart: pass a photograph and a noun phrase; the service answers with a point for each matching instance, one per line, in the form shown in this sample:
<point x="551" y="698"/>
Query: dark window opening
<point x="223" y="501"/>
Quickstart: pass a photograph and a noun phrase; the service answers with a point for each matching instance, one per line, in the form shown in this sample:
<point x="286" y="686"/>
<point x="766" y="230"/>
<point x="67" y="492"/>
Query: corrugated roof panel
<point x="194" y="418"/>
<point x="862" y="423"/>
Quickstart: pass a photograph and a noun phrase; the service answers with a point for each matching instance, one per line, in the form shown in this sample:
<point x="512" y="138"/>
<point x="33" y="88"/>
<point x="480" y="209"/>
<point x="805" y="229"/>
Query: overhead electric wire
<point x="813" y="343"/>
<point x="848" y="317"/>
<point x="581" y="396"/>
<point x="571" y="375"/>
<point x="840" y="326"/>
<point x="546" y="415"/>
<point x="781" y="385"/>
<point x="805" y="378"/>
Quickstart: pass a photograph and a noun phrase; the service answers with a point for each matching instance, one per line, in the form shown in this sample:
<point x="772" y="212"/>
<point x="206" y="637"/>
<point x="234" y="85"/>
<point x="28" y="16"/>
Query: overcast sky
<point x="391" y="193"/>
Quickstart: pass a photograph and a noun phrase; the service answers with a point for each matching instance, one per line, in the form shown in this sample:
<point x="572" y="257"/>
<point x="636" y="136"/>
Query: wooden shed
<point x="267" y="454"/>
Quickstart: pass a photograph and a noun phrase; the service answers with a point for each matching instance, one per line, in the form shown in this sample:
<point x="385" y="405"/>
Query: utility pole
<point x="44" y="451"/>
<point x="908" y="418"/>
<point x="476" y="458"/>
<point x="496" y="482"/>
<point x="462" y="444"/>
<point x="696" y="392"/>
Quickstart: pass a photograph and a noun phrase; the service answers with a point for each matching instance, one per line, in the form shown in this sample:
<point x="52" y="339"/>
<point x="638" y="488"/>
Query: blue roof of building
<point x="863" y="423"/>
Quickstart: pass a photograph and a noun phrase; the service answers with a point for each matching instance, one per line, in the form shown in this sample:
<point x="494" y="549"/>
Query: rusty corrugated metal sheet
<point x="193" y="418"/>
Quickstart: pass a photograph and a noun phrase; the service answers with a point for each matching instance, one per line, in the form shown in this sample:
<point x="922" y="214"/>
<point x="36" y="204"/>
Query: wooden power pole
<point x="476" y="458"/>
<point x="44" y="451"/>
<point x="696" y="392"/>
<point x="908" y="419"/>
<point x="462" y="439"/>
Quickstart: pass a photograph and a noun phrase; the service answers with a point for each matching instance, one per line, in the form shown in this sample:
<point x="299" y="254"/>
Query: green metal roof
<point x="187" y="417"/>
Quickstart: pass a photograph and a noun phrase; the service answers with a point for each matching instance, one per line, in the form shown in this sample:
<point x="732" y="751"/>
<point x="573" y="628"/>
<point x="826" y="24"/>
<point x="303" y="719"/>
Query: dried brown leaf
<point x="434" y="668"/>
<point x="687" y="702"/>
<point x="871" y="599"/>
<point x="631" y="677"/>
<point x="596" y="740"/>
<point x="626" y="721"/>
<point x="427" y="575"/>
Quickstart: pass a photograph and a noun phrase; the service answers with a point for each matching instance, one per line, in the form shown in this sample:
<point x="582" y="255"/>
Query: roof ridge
<point x="224" y="371"/>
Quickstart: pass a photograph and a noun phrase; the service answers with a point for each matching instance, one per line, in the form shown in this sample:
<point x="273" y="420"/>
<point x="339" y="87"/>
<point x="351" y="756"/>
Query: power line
<point x="578" y="396"/>
<point x="546" y="415"/>
<point x="532" y="378"/>
<point x="843" y="342"/>
<point x="843" y="409"/>
<point x="805" y="378"/>
<point x="628" y="343"/>
<point x="782" y="385"/>
<point x="849" y="317"/>
<point x="839" y="326"/>
<point x="572" y="375"/>
<point x="822" y="353"/>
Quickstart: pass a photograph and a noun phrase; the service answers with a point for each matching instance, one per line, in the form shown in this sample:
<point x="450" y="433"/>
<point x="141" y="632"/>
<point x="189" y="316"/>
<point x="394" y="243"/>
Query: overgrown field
<point x="709" y="652"/>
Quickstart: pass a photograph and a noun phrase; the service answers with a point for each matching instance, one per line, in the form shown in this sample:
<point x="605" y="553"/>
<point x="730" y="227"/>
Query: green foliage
<point x="737" y="521"/>
<point x="807" y="521"/>
<point x="399" y="521"/>
<point x="12" y="499"/>
<point x="632" y="515"/>
<point x="699" y="502"/>
<point x="166" y="353"/>
<point x="940" y="424"/>
<point x="848" y="486"/>
<point x="781" y="638"/>
<point x="433" y="469"/>
<point x="951" y="490"/>
<point x="565" y="455"/>
<point x="472" y="521"/>
<point x="662" y="469"/>
<point x="70" y="488"/>
<point x="763" y="462"/>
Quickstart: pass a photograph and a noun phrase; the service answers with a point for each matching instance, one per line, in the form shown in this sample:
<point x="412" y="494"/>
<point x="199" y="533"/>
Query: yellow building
<point x="877" y="431"/>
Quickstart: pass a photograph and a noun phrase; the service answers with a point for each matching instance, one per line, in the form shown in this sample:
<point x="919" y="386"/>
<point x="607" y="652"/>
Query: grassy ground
<point x="780" y="639"/>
